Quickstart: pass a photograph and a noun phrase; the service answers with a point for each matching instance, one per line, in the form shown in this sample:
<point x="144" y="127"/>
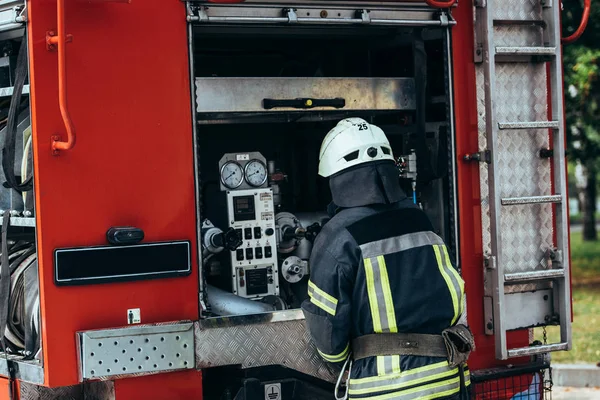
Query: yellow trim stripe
<point x="405" y="383"/>
<point x="321" y="299"/>
<point x="336" y="357"/>
<point x="396" y="364"/>
<point x="459" y="279"/>
<point x="387" y="295"/>
<point x="322" y="306"/>
<point x="372" y="294"/>
<point x="423" y="388"/>
<point x="405" y="373"/>
<point x="322" y="293"/>
<point x="381" y="365"/>
<point x="446" y="277"/>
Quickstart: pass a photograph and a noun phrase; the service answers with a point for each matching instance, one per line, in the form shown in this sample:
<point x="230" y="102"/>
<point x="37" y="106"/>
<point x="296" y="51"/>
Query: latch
<point x="482" y="156"/>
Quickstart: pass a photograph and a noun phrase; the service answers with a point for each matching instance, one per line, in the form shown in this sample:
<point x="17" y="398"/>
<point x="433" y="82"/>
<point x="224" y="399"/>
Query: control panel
<point x="251" y="213"/>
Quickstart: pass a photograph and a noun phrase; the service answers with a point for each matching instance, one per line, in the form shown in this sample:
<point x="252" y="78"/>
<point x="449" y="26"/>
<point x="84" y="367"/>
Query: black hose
<point x="8" y="149"/>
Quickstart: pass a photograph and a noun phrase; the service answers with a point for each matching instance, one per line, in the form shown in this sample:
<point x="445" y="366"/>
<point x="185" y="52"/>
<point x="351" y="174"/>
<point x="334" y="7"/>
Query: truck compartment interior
<point x="285" y="88"/>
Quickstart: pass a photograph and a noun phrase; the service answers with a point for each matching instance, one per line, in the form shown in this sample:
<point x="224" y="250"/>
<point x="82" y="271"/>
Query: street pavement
<point x="570" y="393"/>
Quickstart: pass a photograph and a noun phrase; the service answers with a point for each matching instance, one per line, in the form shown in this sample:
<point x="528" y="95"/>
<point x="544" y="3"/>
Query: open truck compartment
<point x="264" y="99"/>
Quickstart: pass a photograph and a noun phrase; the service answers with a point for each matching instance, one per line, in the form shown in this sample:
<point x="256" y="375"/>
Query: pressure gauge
<point x="232" y="175"/>
<point x="256" y="173"/>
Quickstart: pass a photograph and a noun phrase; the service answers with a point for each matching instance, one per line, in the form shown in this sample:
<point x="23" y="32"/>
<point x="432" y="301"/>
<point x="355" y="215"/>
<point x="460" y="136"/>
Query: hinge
<point x="364" y="16"/>
<point x="489" y="262"/>
<point x="290" y="13"/>
<point x="546" y="153"/>
<point x="444" y="19"/>
<point x="482" y="156"/>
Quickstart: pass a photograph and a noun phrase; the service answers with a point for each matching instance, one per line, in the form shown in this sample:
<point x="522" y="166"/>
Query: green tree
<point x="582" y="102"/>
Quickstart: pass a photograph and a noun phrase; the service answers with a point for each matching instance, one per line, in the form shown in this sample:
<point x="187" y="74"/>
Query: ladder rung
<point x="529" y="125"/>
<point x="534" y="275"/>
<point x="529" y="351"/>
<point x="525" y="51"/>
<point x="517" y="201"/>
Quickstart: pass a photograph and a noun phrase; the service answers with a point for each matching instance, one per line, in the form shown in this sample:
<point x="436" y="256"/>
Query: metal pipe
<point x="60" y="41"/>
<point x="224" y="303"/>
<point x="394" y="22"/>
<point x="528" y="351"/>
<point x="582" y="25"/>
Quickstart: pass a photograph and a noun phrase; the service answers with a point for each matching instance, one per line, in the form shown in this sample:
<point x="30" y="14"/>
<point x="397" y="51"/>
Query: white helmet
<point x="353" y="141"/>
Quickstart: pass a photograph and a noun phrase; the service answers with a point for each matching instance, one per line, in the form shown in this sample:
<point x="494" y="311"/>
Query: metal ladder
<point x="522" y="295"/>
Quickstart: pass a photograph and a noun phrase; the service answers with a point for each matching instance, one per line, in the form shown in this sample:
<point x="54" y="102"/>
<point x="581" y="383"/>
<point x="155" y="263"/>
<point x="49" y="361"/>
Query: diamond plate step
<point x="525" y="51"/>
<point x="518" y="201"/>
<point x="529" y="125"/>
<point x="534" y="275"/>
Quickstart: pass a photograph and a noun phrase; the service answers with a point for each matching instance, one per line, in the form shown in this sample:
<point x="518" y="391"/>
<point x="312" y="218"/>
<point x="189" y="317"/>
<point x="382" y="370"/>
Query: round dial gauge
<point x="232" y="174"/>
<point x="256" y="173"/>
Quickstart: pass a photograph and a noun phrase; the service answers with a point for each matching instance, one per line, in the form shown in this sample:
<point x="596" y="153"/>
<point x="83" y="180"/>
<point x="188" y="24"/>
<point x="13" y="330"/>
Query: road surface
<point x="568" y="393"/>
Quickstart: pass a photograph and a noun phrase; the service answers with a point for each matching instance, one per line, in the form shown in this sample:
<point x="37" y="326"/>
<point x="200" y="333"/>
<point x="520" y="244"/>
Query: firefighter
<point x="384" y="297"/>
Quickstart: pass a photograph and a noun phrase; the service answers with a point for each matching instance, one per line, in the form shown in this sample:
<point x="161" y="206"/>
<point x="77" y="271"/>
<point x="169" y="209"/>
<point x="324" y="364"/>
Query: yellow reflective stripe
<point x="322" y="293"/>
<point x="380" y="365"/>
<point x="459" y="279"/>
<point x="421" y="389"/>
<point x="321" y="299"/>
<point x="322" y="306"/>
<point x="396" y="364"/>
<point x="411" y="382"/>
<point x="335" y="357"/>
<point x="372" y="295"/>
<point x="387" y="295"/>
<point x="441" y="394"/>
<point x="405" y="373"/>
<point x="446" y="277"/>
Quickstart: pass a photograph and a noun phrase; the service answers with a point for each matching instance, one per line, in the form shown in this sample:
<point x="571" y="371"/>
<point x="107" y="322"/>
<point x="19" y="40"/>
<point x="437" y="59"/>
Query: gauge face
<point x="232" y="174"/>
<point x="256" y="173"/>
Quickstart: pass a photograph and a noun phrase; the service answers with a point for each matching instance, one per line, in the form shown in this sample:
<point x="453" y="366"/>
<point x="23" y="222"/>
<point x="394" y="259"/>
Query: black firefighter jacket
<point x="380" y="268"/>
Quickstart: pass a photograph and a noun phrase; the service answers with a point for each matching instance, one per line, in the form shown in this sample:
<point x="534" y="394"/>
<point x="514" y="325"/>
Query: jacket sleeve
<point x="328" y="309"/>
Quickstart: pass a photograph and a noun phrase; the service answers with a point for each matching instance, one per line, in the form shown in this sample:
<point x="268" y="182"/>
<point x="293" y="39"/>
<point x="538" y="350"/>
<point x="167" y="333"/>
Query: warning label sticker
<point x="273" y="391"/>
<point x="265" y="196"/>
<point x="133" y="316"/>
<point x="266" y="216"/>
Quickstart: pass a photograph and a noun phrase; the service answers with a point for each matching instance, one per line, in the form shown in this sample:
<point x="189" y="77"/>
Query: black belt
<point x="389" y="344"/>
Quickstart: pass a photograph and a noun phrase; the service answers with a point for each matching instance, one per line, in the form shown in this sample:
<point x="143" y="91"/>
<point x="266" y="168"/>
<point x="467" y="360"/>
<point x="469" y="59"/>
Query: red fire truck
<point x="160" y="194"/>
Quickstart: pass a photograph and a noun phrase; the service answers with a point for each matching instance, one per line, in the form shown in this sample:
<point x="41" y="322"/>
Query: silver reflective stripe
<point x="404" y="379"/>
<point x="400" y="243"/>
<point x="382" y="308"/>
<point x="455" y="283"/>
<point x="427" y="391"/>
<point x="322" y="299"/>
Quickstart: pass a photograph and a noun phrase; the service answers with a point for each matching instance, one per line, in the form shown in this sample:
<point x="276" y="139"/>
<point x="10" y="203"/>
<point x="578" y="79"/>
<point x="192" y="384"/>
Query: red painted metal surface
<point x="173" y="386"/>
<point x="469" y="196"/>
<point x="5" y="389"/>
<point x="440" y="4"/>
<point x="129" y="96"/>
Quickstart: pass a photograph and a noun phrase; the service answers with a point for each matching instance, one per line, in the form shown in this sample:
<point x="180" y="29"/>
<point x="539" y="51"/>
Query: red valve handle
<point x="587" y="5"/>
<point x="440" y="3"/>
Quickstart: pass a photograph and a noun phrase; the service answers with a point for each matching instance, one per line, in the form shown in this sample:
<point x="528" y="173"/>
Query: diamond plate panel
<point x="89" y="391"/>
<point x="527" y="229"/>
<point x="260" y="340"/>
<point x="518" y="36"/>
<point x="518" y="9"/>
